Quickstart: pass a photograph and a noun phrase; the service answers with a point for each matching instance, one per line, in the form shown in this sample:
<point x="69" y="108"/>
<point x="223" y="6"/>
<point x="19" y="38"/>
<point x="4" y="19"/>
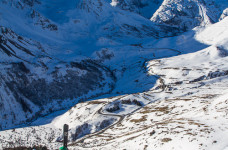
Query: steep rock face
<point x="186" y="14"/>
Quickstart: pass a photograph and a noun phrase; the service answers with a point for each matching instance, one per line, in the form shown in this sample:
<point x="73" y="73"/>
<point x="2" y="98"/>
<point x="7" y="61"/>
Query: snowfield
<point x="118" y="79"/>
<point x="215" y="34"/>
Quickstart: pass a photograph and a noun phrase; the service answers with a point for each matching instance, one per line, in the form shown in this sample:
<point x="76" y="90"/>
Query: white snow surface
<point x="215" y="34"/>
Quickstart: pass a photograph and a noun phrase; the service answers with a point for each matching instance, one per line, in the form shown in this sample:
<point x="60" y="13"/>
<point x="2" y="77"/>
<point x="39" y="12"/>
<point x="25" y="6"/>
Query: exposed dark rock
<point x="104" y="124"/>
<point x="81" y="131"/>
<point x="198" y="79"/>
<point x="113" y="108"/>
<point x="131" y="102"/>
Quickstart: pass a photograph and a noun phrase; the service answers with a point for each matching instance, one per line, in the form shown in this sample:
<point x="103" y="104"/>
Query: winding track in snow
<point x="121" y="117"/>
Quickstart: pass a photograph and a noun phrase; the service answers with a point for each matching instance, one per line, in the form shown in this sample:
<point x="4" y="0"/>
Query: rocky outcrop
<point x="87" y="128"/>
<point x="186" y="14"/>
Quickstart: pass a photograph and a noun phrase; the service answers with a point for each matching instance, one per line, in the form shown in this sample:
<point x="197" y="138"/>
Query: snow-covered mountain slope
<point x="29" y="91"/>
<point x="44" y="53"/>
<point x="215" y="35"/>
<point x="146" y="8"/>
<point x="187" y="14"/>
<point x="191" y="108"/>
<point x="18" y="15"/>
<point x="54" y="57"/>
<point x="34" y="81"/>
<point x="187" y="101"/>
